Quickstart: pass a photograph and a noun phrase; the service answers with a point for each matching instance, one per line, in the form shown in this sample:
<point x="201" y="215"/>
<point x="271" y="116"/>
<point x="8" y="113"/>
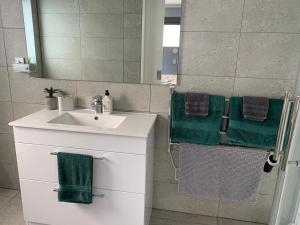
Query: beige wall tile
<point x="7" y="153"/>
<point x="12" y="14"/>
<point x="25" y="109"/>
<point x="1" y="25"/>
<point x="127" y="97"/>
<point x="258" y="212"/>
<point x="97" y="25"/>
<point x="269" y="55"/>
<point x="166" y="197"/>
<point x="27" y="89"/>
<point x="58" y="6"/>
<point x="162" y="131"/>
<point x="101" y="6"/>
<point x="6" y="116"/>
<point x="271" y="16"/>
<point x="60" y="47"/>
<point x="132" y="25"/>
<point x="59" y="24"/>
<point x="15" y="44"/>
<point x="9" y="176"/>
<point x="4" y="82"/>
<point x="163" y="168"/>
<point x="66" y="68"/>
<point x="106" y="71"/>
<point x="133" y="6"/>
<point x="212" y="85"/>
<point x="207" y="15"/>
<point x="132" y="49"/>
<point x="274" y="88"/>
<point x="2" y="48"/>
<point x="132" y="72"/>
<point x="102" y="48"/>
<point x="208" y="53"/>
<point x="160" y="98"/>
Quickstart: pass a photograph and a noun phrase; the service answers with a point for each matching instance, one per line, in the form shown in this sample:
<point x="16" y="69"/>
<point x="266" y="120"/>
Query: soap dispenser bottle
<point x="107" y="103"/>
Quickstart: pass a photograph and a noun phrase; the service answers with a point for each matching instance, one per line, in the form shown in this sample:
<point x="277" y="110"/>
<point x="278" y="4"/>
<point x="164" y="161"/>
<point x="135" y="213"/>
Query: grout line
<point x="8" y="75"/>
<point x="234" y="32"/>
<point x="248" y="77"/>
<point x="150" y="100"/>
<point x="123" y="42"/>
<point x="238" y="48"/>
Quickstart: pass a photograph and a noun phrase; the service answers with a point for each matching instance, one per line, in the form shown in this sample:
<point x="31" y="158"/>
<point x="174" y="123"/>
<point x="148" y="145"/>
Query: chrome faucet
<point x="96" y="104"/>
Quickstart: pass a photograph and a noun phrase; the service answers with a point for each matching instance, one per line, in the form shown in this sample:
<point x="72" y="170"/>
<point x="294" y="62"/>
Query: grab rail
<point x="282" y="126"/>
<point x="294" y="117"/>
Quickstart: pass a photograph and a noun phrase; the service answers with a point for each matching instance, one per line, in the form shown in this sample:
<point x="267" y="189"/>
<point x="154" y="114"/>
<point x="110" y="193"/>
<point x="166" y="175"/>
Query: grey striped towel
<point x="220" y="172"/>
<point x="255" y="108"/>
<point x="196" y="104"/>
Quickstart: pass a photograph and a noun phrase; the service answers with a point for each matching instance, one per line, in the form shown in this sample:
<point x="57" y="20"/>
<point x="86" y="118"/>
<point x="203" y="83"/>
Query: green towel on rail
<point x="75" y="175"/>
<point x="250" y="133"/>
<point x="196" y="129"/>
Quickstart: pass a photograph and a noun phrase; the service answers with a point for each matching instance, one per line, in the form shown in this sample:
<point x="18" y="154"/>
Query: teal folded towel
<point x="249" y="133"/>
<point x="196" y="129"/>
<point x="75" y="175"/>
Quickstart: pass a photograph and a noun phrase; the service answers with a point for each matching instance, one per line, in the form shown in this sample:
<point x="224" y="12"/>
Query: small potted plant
<point x="51" y="100"/>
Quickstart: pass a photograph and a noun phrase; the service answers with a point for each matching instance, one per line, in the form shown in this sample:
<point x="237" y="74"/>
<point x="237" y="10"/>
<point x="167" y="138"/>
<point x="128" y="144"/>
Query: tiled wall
<point x="91" y="40"/>
<point x="228" y="47"/>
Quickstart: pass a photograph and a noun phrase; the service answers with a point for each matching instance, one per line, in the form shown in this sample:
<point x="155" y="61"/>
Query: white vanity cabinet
<point x="122" y="176"/>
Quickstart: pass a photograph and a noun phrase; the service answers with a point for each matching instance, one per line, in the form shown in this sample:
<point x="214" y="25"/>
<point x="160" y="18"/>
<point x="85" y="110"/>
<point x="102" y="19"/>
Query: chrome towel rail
<point x="282" y="126"/>
<point x="97" y="158"/>
<point x="99" y="196"/>
<point x="294" y="117"/>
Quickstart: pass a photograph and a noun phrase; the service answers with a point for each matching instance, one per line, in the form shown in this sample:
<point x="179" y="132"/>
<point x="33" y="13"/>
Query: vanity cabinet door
<point x="114" y="208"/>
<point x="116" y="171"/>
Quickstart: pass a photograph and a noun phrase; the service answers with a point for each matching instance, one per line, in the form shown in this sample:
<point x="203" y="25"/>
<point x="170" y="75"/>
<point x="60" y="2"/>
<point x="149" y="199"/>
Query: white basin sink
<point x="90" y="120"/>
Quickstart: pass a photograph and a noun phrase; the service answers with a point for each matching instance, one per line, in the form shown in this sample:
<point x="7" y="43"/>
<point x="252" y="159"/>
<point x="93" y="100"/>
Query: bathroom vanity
<point x="122" y="147"/>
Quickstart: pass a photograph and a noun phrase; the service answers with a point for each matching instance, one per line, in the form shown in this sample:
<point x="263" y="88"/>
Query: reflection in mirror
<point x="171" y="40"/>
<point x="161" y="41"/>
<point x="134" y="41"/>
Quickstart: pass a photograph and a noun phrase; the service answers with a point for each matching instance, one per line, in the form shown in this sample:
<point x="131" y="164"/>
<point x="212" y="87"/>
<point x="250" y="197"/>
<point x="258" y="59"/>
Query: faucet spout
<point x="96" y="104"/>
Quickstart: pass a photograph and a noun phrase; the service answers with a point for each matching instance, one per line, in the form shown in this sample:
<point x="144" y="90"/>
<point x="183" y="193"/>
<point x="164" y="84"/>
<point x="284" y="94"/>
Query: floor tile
<point x="9" y="193"/>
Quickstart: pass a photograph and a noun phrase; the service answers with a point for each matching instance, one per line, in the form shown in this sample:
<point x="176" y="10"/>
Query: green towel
<point x="250" y="133"/>
<point x="75" y="175"/>
<point x="195" y="129"/>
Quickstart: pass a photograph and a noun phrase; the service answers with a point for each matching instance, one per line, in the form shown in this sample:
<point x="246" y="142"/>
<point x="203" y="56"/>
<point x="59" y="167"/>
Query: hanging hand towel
<point x="75" y="175"/>
<point x="196" y="104"/>
<point x="255" y="108"/>
<point x="220" y="172"/>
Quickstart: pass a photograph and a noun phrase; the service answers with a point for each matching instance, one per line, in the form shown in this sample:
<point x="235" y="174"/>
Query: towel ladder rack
<point x="280" y="140"/>
<point x="97" y="158"/>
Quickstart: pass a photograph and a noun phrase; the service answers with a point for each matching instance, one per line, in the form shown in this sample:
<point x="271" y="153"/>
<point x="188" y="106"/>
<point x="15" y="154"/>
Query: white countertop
<point x="135" y="124"/>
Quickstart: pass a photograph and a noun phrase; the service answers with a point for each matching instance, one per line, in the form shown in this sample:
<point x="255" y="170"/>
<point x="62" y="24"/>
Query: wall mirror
<point x="131" y="41"/>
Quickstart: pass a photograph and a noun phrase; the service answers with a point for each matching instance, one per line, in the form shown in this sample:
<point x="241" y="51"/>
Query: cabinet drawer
<point x="114" y="208"/>
<point x="116" y="171"/>
<point x="104" y="142"/>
